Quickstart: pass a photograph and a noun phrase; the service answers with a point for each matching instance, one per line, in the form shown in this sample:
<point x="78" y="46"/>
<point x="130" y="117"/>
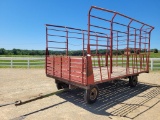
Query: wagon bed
<point x="114" y="46"/>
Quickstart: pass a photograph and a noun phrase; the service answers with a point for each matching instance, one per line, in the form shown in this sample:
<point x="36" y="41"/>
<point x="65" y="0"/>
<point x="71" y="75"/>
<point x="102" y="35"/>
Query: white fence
<point x="21" y="62"/>
<point x="40" y="62"/>
<point x="155" y="63"/>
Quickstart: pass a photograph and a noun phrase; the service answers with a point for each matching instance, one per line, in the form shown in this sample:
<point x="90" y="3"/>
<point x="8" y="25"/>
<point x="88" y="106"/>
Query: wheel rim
<point x="93" y="94"/>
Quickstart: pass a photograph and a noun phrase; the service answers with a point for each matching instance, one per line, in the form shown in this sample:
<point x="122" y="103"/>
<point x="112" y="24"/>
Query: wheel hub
<point x="93" y="94"/>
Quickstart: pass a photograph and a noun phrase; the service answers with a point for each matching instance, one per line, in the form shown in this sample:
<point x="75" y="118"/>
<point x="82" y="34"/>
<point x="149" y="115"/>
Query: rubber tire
<point x="133" y="80"/>
<point x="59" y="86"/>
<point x="92" y="92"/>
<point x="62" y="85"/>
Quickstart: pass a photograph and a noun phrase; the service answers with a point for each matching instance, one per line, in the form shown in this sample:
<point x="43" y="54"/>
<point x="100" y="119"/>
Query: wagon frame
<point x="101" y="60"/>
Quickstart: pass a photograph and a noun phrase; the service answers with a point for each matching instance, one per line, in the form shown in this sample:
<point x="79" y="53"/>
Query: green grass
<point x="155" y="55"/>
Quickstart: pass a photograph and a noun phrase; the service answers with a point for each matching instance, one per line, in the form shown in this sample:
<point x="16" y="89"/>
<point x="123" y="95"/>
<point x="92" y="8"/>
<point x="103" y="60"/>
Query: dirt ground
<point x="41" y="100"/>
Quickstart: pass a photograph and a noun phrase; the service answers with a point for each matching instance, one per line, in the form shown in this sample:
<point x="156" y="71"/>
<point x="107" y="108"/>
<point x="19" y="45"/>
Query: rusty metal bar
<point x="83" y="41"/>
<point x="143" y="61"/>
<point x="122" y="60"/>
<point x="55" y="41"/>
<point x="46" y="50"/>
<point x="95" y="7"/>
<point x="61" y="66"/>
<point x="69" y="68"/>
<point x="149" y="48"/>
<point x="57" y="48"/>
<point x="100" y="18"/>
<point x="135" y="42"/>
<point x="53" y="67"/>
<point x="117" y="51"/>
<point x="128" y="30"/>
<point x="111" y="42"/>
<point x="132" y="64"/>
<point x="136" y="63"/>
<point x="82" y="70"/>
<point x="99" y="64"/>
<point x="140" y="36"/>
<point x="96" y="44"/>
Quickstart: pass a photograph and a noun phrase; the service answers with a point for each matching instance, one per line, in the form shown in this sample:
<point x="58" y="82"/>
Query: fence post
<point x="28" y="62"/>
<point x="11" y="63"/>
<point x="151" y="64"/>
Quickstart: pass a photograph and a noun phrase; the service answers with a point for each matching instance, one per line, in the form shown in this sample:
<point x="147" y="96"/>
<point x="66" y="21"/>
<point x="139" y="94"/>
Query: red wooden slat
<point x="65" y="70"/>
<point x="77" y="60"/>
<point x="77" y="69"/>
<point x="73" y="78"/>
<point x="77" y="73"/>
<point x="65" y="76"/>
<point x="65" y="66"/>
<point x="49" y="68"/>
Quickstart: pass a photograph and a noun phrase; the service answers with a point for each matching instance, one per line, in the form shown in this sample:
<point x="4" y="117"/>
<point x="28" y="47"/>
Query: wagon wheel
<point x="61" y="85"/>
<point x="91" y="94"/>
<point x="133" y="80"/>
<point x="58" y="85"/>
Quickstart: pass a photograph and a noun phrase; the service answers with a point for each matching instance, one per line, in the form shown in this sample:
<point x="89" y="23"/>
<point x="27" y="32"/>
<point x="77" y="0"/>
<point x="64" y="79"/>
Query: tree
<point x="155" y="51"/>
<point x="2" y="51"/>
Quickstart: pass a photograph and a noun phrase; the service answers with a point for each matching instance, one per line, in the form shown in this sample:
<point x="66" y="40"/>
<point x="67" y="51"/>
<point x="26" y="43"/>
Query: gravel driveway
<point x="117" y="101"/>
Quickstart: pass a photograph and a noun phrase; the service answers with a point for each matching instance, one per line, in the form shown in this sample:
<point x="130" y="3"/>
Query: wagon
<point x="115" y="46"/>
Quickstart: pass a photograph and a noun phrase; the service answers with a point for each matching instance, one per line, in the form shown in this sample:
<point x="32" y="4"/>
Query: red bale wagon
<point x="115" y="46"/>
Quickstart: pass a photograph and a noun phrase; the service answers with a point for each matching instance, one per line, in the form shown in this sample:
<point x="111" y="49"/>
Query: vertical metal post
<point x="89" y="70"/>
<point x="135" y="50"/>
<point x="111" y="42"/>
<point x="122" y="60"/>
<point x="53" y="66"/>
<point x="88" y="46"/>
<point x="117" y="51"/>
<point x="96" y="43"/>
<point x="128" y="35"/>
<point x="151" y="64"/>
<point x="69" y="59"/>
<point x="82" y="70"/>
<point x="47" y="53"/>
<point x="140" y="36"/>
<point x="99" y="64"/>
<point x="132" y="64"/>
<point x="107" y="51"/>
<point x="143" y="62"/>
<point x="148" y="56"/>
<point x="28" y="62"/>
<point x="136" y="63"/>
<point x="66" y="42"/>
<point x="11" y="63"/>
<point x="61" y="65"/>
<point x="83" y="42"/>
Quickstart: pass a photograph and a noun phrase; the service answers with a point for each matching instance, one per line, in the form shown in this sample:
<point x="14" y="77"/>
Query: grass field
<point x="155" y="55"/>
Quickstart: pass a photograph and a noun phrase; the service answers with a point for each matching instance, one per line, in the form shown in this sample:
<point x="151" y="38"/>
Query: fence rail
<point x="40" y="62"/>
<point x="21" y="62"/>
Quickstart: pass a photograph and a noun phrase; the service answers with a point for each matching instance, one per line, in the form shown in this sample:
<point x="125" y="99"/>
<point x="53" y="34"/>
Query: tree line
<point x="72" y="53"/>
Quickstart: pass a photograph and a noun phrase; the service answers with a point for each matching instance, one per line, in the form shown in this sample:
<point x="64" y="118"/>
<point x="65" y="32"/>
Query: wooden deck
<point x="117" y="71"/>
